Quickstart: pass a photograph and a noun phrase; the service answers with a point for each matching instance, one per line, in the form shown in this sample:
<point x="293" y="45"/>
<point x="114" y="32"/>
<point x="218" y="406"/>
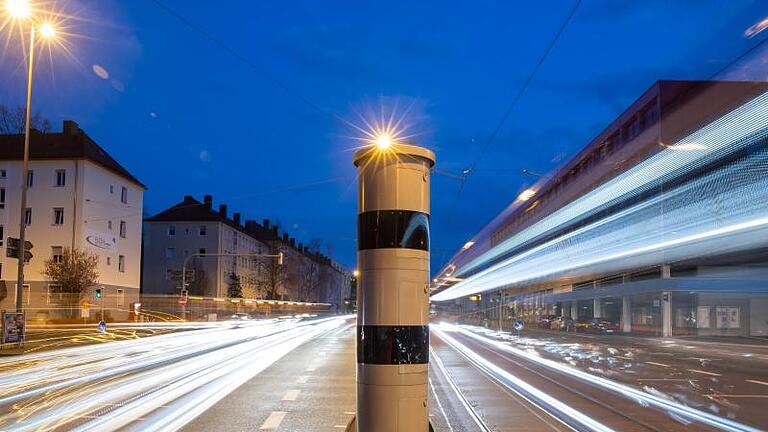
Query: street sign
<point x="176" y="275"/>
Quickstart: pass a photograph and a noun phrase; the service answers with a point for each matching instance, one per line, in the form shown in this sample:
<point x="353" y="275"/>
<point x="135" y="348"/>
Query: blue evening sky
<point x="187" y="117"/>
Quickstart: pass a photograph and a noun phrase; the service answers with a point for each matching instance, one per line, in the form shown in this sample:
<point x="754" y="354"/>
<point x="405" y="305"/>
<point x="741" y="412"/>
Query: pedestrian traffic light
<point x="98" y="293"/>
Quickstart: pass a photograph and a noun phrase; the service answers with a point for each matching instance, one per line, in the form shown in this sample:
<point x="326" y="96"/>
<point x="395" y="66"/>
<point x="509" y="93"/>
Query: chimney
<point x="208" y="201"/>
<point x="292" y="242"/>
<point x="188" y="198"/>
<point x="300" y="247"/>
<point x="236" y="218"/>
<point x="266" y="223"/>
<point x="71" y="128"/>
<point x="274" y="231"/>
<point x="285" y="237"/>
<point x="223" y="210"/>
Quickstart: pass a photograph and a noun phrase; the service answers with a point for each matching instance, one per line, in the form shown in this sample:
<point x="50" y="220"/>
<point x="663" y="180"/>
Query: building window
<point x="203" y="230"/>
<point x="120" y="298"/>
<point x="58" y="216"/>
<point x="109" y="260"/>
<point x="30" y="178"/>
<point x="168" y="274"/>
<point x="121" y="263"/>
<point x="109" y="224"/>
<point x="124" y="195"/>
<point x="111" y="189"/>
<point x="61" y="178"/>
<point x="2" y="173"/>
<point x="170" y="252"/>
<point x="2" y="235"/>
<point x="57" y="254"/>
<point x="2" y="197"/>
<point x="28" y="216"/>
<point x="201" y="251"/>
<point x="123" y="229"/>
<point x="172" y="230"/>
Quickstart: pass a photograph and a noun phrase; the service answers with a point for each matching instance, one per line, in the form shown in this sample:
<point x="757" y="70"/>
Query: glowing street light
<point x="22" y="10"/>
<point x="47" y="31"/>
<point x="383" y="142"/>
<point x="356" y="273"/>
<point x="18" y="9"/>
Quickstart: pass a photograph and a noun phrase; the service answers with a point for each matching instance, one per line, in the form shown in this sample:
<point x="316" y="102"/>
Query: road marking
<point x="302" y="379"/>
<point x="658" y="364"/>
<point x="339" y="426"/>
<point x="704" y="372"/>
<point x="291" y="395"/>
<point x="713" y="396"/>
<point x="758" y="382"/>
<point x="273" y="421"/>
<point x="666" y="379"/>
<point x="349" y="412"/>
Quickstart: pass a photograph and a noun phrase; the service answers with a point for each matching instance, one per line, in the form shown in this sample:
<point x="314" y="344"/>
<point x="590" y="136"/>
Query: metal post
<point x="393" y="288"/>
<point x="24" y="174"/>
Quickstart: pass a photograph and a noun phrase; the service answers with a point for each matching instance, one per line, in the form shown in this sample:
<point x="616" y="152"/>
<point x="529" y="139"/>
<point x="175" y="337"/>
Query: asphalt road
<point x="154" y="383"/>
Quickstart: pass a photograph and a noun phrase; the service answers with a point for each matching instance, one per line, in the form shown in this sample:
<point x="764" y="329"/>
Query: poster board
<point x="14" y="327"/>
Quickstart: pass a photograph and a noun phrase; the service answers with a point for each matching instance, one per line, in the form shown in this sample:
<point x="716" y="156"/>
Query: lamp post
<point x="22" y="11"/>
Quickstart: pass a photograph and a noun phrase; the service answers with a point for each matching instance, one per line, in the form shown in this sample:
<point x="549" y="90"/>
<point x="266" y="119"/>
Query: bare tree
<point x="271" y="277"/>
<point x="234" y="287"/>
<point x="12" y="121"/>
<point x="73" y="272"/>
<point x="198" y="286"/>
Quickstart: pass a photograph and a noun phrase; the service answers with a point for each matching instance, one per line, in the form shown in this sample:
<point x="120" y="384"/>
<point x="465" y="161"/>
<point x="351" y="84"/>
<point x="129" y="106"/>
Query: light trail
<point x="641" y="397"/>
<point x="719" y="211"/>
<point x="459" y="394"/>
<point x="154" y="383"/>
<point x="565" y="414"/>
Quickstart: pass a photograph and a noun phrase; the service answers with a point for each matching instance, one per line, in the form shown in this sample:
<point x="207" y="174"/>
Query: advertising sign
<point x="13" y="327"/>
<point x="99" y="240"/>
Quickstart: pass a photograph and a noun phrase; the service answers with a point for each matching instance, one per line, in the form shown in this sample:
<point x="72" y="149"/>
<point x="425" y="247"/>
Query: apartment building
<point x="78" y="197"/>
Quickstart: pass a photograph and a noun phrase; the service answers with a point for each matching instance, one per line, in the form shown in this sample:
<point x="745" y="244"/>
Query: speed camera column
<point x="393" y="292"/>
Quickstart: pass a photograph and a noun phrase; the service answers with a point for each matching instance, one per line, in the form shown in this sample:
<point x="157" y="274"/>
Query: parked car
<point x="598" y="325"/>
<point x="240" y="317"/>
<point x="562" y="323"/>
<point x="545" y="321"/>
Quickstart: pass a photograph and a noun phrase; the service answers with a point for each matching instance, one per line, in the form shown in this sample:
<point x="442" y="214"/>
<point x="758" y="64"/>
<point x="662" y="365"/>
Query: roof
<point x="192" y="210"/>
<point x="71" y="143"/>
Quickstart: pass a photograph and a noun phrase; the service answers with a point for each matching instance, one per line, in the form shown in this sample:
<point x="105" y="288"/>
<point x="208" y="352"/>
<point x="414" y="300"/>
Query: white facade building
<point x="78" y="197"/>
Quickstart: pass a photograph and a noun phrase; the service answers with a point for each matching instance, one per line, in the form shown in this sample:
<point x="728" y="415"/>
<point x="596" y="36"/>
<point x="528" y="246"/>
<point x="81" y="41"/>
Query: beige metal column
<point x="393" y="290"/>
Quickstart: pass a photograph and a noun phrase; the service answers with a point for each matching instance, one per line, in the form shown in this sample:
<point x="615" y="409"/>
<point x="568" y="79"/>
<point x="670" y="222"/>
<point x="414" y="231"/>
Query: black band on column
<point x="380" y="229"/>
<point x="392" y="345"/>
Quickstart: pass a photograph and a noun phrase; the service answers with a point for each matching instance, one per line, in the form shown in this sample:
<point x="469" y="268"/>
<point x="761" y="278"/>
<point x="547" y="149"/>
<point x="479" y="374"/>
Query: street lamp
<point x="21" y="10"/>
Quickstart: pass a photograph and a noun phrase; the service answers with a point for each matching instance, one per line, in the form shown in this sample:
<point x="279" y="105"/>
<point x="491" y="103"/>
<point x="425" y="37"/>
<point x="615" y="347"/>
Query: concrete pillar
<point x="597" y="310"/>
<point x="666" y="271"/>
<point x="666" y="314"/>
<point x="626" y="314"/>
<point x="393" y="294"/>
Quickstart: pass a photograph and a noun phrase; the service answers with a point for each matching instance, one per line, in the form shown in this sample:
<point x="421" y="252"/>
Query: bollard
<point x="393" y="290"/>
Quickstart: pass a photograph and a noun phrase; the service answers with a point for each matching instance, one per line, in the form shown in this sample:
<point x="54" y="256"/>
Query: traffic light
<point x="98" y="293"/>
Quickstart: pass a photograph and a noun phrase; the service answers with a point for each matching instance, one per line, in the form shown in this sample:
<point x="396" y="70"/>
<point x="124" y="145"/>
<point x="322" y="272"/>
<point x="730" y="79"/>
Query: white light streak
<point x="689" y="221"/>
<point x="615" y="387"/>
